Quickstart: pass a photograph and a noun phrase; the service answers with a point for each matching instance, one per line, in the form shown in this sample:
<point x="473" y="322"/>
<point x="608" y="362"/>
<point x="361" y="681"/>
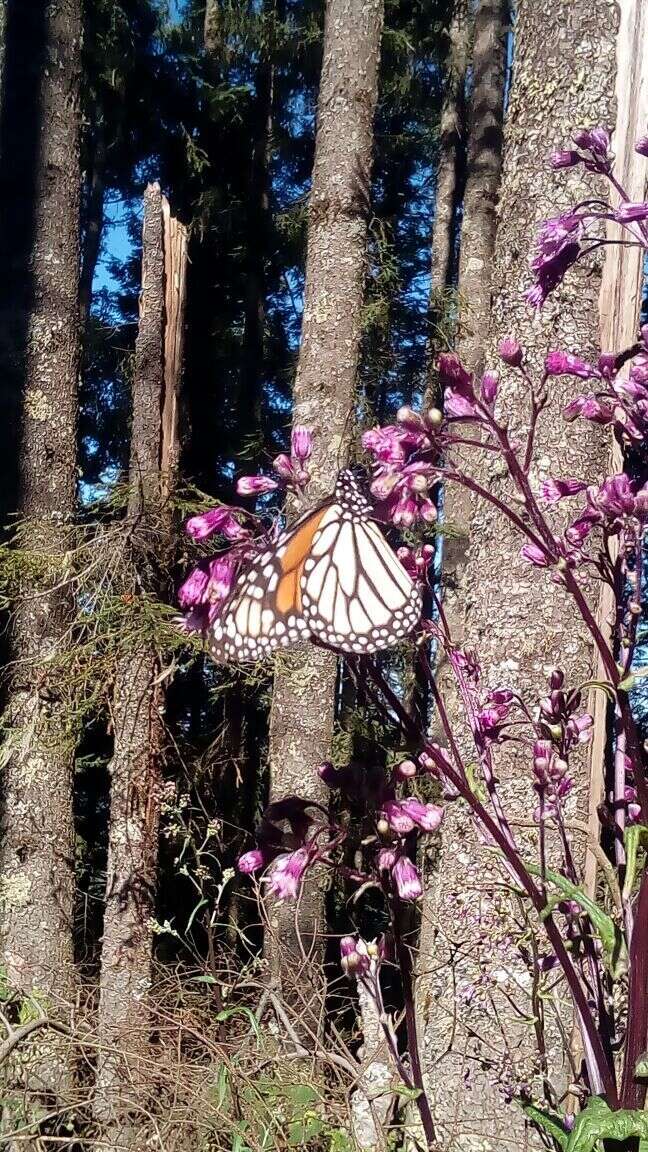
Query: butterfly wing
<point x="356" y="595"/>
<point x="264" y="611"/>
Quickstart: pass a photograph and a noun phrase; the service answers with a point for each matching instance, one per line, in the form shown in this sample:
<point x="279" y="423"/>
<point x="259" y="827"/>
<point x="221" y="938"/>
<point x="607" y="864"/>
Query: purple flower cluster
<point x="290" y="471"/>
<point x="207" y="588"/>
<point x="621" y="400"/>
<point x="561" y="240"/>
<point x="401" y="484"/>
<point x="292" y="836"/>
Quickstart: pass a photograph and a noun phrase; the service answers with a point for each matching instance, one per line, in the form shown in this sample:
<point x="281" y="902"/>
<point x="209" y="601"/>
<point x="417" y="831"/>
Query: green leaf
<point x="597" y="1122"/>
<point x="476" y="785"/>
<point x="405" y="1093"/>
<point x="549" y="1122"/>
<point x="340" y="1141"/>
<point x="199" y="905"/>
<point x="641" y="1067"/>
<point x="634" y="837"/>
<point x="615" y="953"/>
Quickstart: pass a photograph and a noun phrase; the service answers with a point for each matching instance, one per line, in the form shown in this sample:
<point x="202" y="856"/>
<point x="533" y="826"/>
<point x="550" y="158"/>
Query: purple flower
<point x="404" y="514"/>
<point x="354" y="956"/>
<point x="406" y="879"/>
<point x="254" y="485"/>
<point x="215" y="520"/>
<point x="510" y="351"/>
<point x="564" y="158"/>
<point x="552" y="491"/>
<point x="641" y="146"/>
<point x="535" y="555"/>
<point x="580" y="728"/>
<point x="286" y="873"/>
<point x="386" y="859"/>
<point x="193" y="591"/>
<point x="329" y="774"/>
<point x="576" y="533"/>
<point x="387" y="444"/>
<point x="453" y="374"/>
<point x="459" y="392"/>
<point x="595" y="139"/>
<point x="428" y="817"/>
<point x="492" y="716"/>
<point x="458" y="406"/>
<point x="222" y="571"/>
<point x="489" y="386"/>
<point x="627" y="212"/>
<point x="550" y="273"/>
<point x="564" y="364"/>
<point x="251" y="862"/>
<point x="301" y="443"/>
<point x="590" y="408"/>
<point x="397" y="818"/>
<point x="615" y="497"/>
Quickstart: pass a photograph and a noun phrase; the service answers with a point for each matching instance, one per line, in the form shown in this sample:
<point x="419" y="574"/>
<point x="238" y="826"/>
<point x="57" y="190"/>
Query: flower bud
<point x="382" y="827"/>
<point x="489" y="386"/>
<point x="627" y="212"/>
<point x="405" y="770"/>
<point x="434" y="417"/>
<point x="595" y="139"/>
<point x="328" y="774"/>
<point x="407" y="415"/>
<point x="254" y="485"/>
<point x="301" y="443"/>
<point x="641" y="146"/>
<point x="510" y="351"/>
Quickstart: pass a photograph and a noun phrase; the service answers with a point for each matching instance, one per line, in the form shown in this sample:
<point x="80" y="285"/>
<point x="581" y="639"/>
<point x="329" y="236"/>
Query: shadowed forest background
<point x="184" y="278"/>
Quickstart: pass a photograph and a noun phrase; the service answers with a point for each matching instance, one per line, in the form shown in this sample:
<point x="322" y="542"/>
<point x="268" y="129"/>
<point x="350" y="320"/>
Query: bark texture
<point x="450" y="165"/>
<point x="124" y="1064"/>
<point x="522" y="625"/>
<point x="39" y="359"/>
<point x="303" y="702"/>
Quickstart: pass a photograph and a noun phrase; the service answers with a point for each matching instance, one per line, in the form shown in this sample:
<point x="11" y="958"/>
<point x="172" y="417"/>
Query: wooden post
<point x="175" y="294"/>
<point x="620" y="307"/>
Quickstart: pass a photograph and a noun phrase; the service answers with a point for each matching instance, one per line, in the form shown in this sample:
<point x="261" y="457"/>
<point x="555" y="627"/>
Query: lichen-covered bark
<point x="521" y="624"/>
<point x="39" y="358"/>
<point x="301" y="722"/>
<point x="483" y="173"/>
<point x="124" y="1065"/>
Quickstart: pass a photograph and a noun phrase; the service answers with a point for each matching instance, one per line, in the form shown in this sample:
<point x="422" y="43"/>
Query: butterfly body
<point x="332" y="577"/>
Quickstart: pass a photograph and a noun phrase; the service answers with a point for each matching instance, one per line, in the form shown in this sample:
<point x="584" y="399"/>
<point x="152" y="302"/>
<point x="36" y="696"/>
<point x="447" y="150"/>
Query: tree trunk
<point x="449" y="172"/>
<point x="93" y="223"/>
<point x="124" y="1064"/>
<point x="483" y="174"/>
<point x="39" y="359"/>
<point x="520" y="625"/>
<point x="303" y="702"/>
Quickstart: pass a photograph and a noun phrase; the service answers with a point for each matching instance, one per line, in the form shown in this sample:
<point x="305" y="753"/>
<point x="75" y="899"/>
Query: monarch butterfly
<point x="331" y="577"/>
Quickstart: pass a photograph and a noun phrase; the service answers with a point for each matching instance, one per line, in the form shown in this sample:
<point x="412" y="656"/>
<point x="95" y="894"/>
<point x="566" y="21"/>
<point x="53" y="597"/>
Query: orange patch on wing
<point x="288" y="593"/>
<point x="300" y="545"/>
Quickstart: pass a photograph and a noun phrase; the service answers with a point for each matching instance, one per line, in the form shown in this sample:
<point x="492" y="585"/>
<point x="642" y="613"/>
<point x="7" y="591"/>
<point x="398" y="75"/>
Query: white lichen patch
<point x="15" y="890"/>
<point x="38" y="405"/>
